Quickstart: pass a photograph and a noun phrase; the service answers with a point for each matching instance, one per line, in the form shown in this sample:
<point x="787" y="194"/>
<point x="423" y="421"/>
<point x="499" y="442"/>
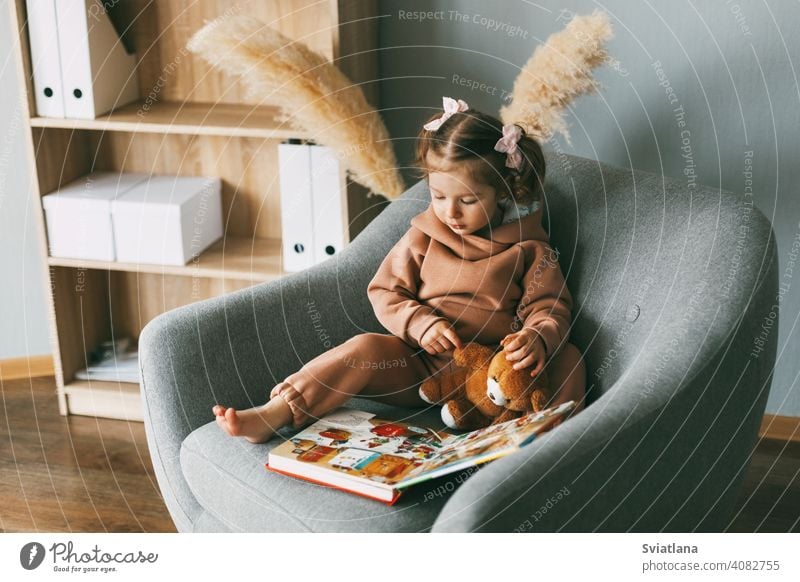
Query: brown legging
<point x="387" y="368"/>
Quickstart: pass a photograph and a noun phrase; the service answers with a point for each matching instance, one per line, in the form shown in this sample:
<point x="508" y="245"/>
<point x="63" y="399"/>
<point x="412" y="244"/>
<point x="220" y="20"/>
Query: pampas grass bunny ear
<point x="557" y="73"/>
<point x="311" y="93"/>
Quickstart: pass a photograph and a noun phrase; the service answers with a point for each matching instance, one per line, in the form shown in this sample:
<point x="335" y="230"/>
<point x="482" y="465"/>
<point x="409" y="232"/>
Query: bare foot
<point x="256" y="425"/>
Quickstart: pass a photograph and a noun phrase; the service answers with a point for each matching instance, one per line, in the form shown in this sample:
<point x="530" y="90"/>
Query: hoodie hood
<point x="473" y="247"/>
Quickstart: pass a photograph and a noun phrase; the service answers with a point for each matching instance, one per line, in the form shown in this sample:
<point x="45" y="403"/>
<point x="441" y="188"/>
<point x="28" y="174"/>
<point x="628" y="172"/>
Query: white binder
<point x="297" y="216"/>
<point x="45" y="58"/>
<point x="330" y="208"/>
<point x="97" y="73"/>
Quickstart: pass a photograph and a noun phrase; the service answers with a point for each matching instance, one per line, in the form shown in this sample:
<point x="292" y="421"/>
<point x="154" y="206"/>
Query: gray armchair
<point x="671" y="289"/>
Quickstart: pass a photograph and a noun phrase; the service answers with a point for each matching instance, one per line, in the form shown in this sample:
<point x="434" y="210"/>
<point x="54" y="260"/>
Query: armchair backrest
<point x="659" y="268"/>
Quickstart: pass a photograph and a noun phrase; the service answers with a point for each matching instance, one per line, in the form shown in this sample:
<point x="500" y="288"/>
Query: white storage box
<point x="78" y="216"/>
<point x="167" y="220"/>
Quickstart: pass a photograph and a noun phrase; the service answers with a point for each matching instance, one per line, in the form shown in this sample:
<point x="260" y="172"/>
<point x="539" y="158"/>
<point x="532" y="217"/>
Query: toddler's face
<point x="464" y="205"/>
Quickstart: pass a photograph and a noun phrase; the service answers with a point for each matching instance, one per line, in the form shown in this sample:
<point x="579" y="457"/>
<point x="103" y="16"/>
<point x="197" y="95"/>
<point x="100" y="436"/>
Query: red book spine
<point x="310" y="480"/>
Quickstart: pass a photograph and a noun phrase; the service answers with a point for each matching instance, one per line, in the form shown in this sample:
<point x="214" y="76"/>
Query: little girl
<point x="474" y="266"/>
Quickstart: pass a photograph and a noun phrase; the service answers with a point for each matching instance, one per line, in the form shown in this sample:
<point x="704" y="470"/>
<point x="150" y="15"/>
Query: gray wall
<point x="729" y="64"/>
<point x="23" y="320"/>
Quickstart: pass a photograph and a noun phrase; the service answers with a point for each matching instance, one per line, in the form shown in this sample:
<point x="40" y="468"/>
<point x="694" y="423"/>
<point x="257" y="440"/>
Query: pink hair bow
<point x="508" y="144"/>
<point x="450" y="106"/>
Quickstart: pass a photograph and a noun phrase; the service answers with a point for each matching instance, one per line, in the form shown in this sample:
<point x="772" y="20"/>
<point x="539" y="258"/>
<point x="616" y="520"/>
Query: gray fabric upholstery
<point x="208" y="523"/>
<point x="229" y="479"/>
<point x="669" y="296"/>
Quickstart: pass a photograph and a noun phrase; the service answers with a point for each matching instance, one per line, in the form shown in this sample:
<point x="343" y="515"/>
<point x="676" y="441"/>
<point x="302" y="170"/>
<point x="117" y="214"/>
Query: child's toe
<point x="232" y="421"/>
<point x="220" y="420"/>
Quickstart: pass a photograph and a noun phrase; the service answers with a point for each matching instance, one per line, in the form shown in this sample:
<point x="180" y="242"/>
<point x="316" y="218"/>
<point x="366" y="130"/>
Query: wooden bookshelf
<point x="222" y="119"/>
<point x="200" y="123"/>
<point x="247" y="259"/>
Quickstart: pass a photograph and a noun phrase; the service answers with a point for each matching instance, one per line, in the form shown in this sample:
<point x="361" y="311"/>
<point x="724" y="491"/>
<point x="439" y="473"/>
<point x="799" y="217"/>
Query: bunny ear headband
<point x="508" y="143"/>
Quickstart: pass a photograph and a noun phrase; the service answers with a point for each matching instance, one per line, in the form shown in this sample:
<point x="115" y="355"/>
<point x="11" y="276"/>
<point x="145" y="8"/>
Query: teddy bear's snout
<point x="494" y="392"/>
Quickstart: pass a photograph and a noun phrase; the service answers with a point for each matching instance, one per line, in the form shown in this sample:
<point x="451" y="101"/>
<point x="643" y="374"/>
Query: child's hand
<point x="440" y="337"/>
<point x="527" y="348"/>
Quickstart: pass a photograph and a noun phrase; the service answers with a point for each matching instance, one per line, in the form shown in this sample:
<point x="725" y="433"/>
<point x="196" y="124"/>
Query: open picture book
<point x="356" y="452"/>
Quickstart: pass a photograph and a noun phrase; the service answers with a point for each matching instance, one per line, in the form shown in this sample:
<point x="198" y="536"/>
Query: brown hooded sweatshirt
<point x="475" y="283"/>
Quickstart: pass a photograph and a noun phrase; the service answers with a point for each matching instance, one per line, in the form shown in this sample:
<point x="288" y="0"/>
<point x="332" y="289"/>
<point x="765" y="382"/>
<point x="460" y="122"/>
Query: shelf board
<point x="221" y="119"/>
<point x="239" y="258"/>
<point x="119" y="400"/>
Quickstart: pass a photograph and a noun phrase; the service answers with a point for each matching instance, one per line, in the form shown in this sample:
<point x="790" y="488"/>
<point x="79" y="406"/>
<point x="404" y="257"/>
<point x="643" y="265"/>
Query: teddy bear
<point x="485" y="389"/>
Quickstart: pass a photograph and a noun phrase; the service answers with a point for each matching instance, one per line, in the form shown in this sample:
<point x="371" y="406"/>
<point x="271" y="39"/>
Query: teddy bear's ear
<point x="473" y="355"/>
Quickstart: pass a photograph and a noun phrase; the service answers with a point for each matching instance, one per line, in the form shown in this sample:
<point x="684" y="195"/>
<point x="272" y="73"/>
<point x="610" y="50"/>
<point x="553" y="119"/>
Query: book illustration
<point x="353" y="458"/>
<point x="387" y="468"/>
<point x="375" y="449"/>
<point x="476" y="445"/>
<point x="315" y="454"/>
<point x="336" y="435"/>
<point x="303" y="445"/>
<point x="379" y="458"/>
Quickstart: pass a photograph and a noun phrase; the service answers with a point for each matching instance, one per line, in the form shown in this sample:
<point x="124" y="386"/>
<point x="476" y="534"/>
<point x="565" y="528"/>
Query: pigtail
<point x="527" y="183"/>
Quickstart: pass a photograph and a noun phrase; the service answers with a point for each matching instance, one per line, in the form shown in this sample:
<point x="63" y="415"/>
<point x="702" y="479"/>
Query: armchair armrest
<point x="233" y="349"/>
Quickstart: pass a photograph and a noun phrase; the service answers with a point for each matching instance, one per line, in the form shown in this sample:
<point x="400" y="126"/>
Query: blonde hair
<point x="470" y="136"/>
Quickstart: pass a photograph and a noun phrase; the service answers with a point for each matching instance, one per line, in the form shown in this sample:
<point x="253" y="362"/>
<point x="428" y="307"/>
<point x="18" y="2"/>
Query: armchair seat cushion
<point x="230" y="481"/>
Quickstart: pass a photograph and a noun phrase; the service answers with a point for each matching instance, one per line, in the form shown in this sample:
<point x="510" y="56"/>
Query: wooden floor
<point x="81" y="474"/>
<point x="73" y="473"/>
